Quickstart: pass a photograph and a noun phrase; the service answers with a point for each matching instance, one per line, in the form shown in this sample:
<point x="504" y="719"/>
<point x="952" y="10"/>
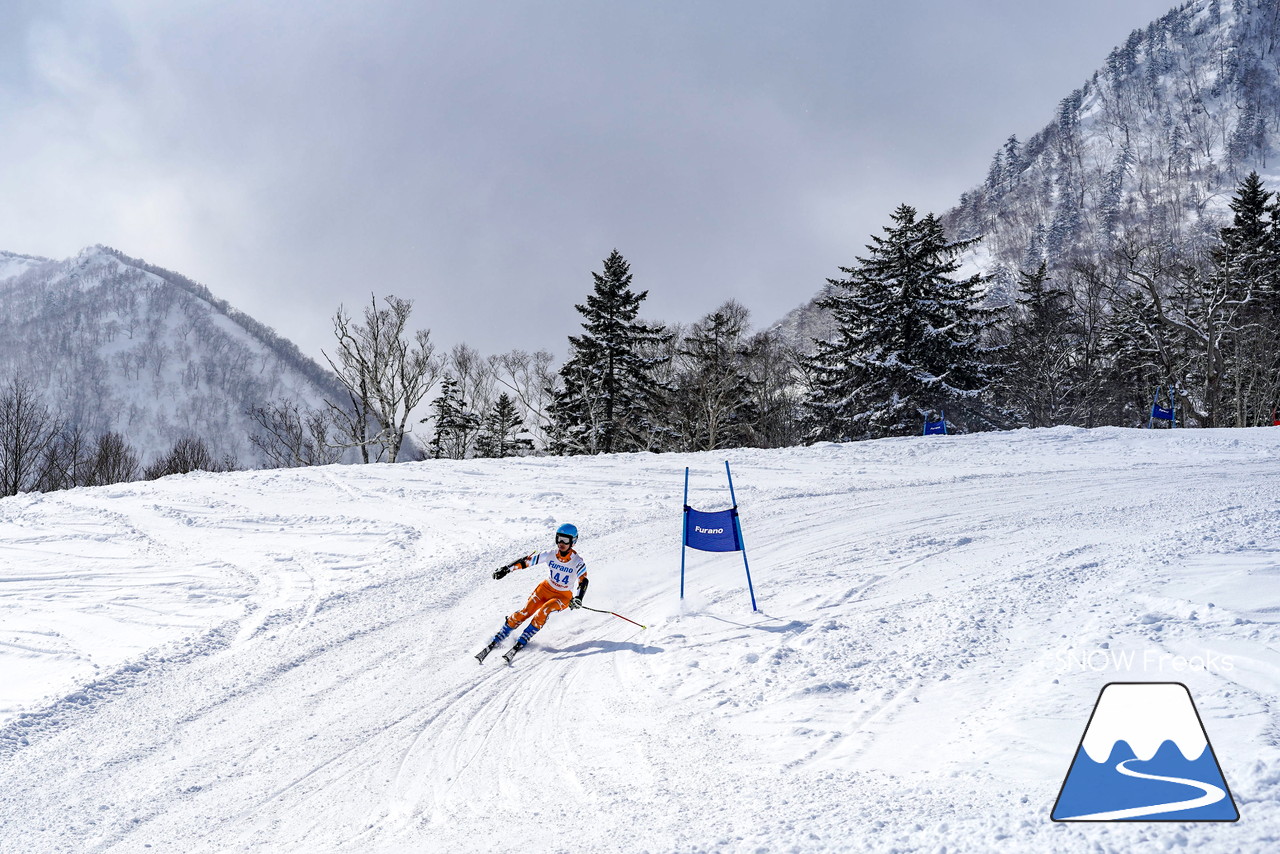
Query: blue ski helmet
<point x="567" y="530"/>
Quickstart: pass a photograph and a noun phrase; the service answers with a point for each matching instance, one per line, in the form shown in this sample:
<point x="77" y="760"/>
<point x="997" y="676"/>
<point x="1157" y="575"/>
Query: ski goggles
<point x="564" y="540"/>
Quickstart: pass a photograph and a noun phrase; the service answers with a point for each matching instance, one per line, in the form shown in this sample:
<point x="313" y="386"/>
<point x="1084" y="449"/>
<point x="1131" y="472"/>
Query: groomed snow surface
<point x="282" y="661"/>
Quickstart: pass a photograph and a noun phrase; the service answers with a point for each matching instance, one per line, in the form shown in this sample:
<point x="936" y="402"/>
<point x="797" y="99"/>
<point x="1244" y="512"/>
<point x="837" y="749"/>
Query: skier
<point x="564" y="566"/>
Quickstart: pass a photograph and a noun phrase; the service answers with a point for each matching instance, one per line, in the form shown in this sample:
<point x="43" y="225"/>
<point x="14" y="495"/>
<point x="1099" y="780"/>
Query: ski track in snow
<point x="282" y="661"/>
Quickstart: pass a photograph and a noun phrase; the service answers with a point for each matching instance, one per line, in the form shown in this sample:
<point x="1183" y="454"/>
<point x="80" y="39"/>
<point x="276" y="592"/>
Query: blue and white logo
<point x="1145" y="756"/>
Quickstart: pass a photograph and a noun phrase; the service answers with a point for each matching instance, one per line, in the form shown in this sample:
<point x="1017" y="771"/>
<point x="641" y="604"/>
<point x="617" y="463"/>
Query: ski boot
<point x="497" y="639"/>
<point x="480" y="656"/>
<point x="511" y="653"/>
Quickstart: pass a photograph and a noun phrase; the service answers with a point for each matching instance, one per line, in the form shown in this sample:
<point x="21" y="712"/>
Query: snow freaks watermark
<point x="1107" y="660"/>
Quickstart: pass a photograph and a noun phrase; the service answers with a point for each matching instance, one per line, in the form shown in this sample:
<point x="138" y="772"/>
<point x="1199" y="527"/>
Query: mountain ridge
<point x="119" y="344"/>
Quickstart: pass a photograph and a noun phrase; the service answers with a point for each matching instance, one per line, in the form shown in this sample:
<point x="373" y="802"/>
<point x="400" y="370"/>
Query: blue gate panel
<point x="711" y="532"/>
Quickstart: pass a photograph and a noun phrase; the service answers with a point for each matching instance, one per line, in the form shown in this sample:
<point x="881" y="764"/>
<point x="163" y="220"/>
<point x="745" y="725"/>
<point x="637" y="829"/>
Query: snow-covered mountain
<point x="1148" y="151"/>
<point x="118" y="344"/>
<point x="282" y="660"/>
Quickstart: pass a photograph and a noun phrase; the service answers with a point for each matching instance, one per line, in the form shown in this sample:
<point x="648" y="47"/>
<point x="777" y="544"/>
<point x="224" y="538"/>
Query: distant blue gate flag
<point x="1164" y="413"/>
<point x="936" y="428"/>
<point x="718" y="531"/>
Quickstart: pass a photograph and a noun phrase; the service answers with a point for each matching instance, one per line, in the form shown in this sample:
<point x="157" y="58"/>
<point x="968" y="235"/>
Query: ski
<point x="511" y="653"/>
<point x="480" y="656"/>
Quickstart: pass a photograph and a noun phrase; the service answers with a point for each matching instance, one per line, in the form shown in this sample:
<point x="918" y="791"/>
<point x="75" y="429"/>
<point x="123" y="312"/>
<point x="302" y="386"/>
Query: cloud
<point x="483" y="159"/>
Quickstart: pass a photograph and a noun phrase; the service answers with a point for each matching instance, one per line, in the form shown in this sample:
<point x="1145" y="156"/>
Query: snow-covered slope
<point x="118" y="344"/>
<point x="282" y="661"/>
<point x="12" y="264"/>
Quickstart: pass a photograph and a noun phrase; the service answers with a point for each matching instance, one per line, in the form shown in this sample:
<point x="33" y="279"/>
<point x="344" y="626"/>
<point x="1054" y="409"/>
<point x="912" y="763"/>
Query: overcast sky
<point x="483" y="158"/>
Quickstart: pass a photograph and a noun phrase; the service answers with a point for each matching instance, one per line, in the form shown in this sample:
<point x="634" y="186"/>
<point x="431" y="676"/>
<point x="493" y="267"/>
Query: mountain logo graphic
<point x="1145" y="756"/>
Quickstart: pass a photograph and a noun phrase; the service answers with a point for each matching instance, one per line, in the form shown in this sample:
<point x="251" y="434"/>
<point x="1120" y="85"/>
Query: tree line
<point x="1097" y="340"/>
<point x="42" y="452"/>
<point x="628" y="385"/>
<point x="1093" y="342"/>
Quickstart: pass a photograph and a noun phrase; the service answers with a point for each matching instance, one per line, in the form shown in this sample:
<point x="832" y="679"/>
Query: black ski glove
<point x="501" y="571"/>
<point x="582" y="591"/>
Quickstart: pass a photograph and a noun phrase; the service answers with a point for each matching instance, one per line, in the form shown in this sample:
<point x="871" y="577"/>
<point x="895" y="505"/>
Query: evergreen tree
<point x="455" y="425"/>
<point x="908" y="339"/>
<point x="1012" y="164"/>
<point x="1243" y="308"/>
<point x="1146" y="338"/>
<point x="713" y="404"/>
<point x="1039" y="363"/>
<point x="776" y="371"/>
<point x="1135" y="362"/>
<point x="1066" y="222"/>
<point x="1250" y="239"/>
<point x="995" y="175"/>
<point x="1110" y="207"/>
<point x="609" y="399"/>
<point x="502" y="431"/>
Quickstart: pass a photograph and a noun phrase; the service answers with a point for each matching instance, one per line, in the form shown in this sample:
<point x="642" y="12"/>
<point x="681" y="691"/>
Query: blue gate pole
<point x="737" y="529"/>
<point x="684" y="528"/>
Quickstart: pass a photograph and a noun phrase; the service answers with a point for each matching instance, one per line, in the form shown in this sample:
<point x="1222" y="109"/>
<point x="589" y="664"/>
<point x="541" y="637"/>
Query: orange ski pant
<point x="542" y="602"/>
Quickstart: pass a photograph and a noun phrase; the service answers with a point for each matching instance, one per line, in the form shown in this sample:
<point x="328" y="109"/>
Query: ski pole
<point x="619" y="616"/>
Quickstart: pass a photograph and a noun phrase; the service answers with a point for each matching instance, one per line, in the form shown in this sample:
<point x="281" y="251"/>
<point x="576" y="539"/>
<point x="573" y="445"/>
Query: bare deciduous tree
<point x="67" y="461"/>
<point x="27" y="428"/>
<point x="291" y="437"/>
<point x="386" y="374"/>
<point x="532" y="382"/>
<point x="777" y="373"/>
<point x="114" y="460"/>
<point x="188" y="454"/>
